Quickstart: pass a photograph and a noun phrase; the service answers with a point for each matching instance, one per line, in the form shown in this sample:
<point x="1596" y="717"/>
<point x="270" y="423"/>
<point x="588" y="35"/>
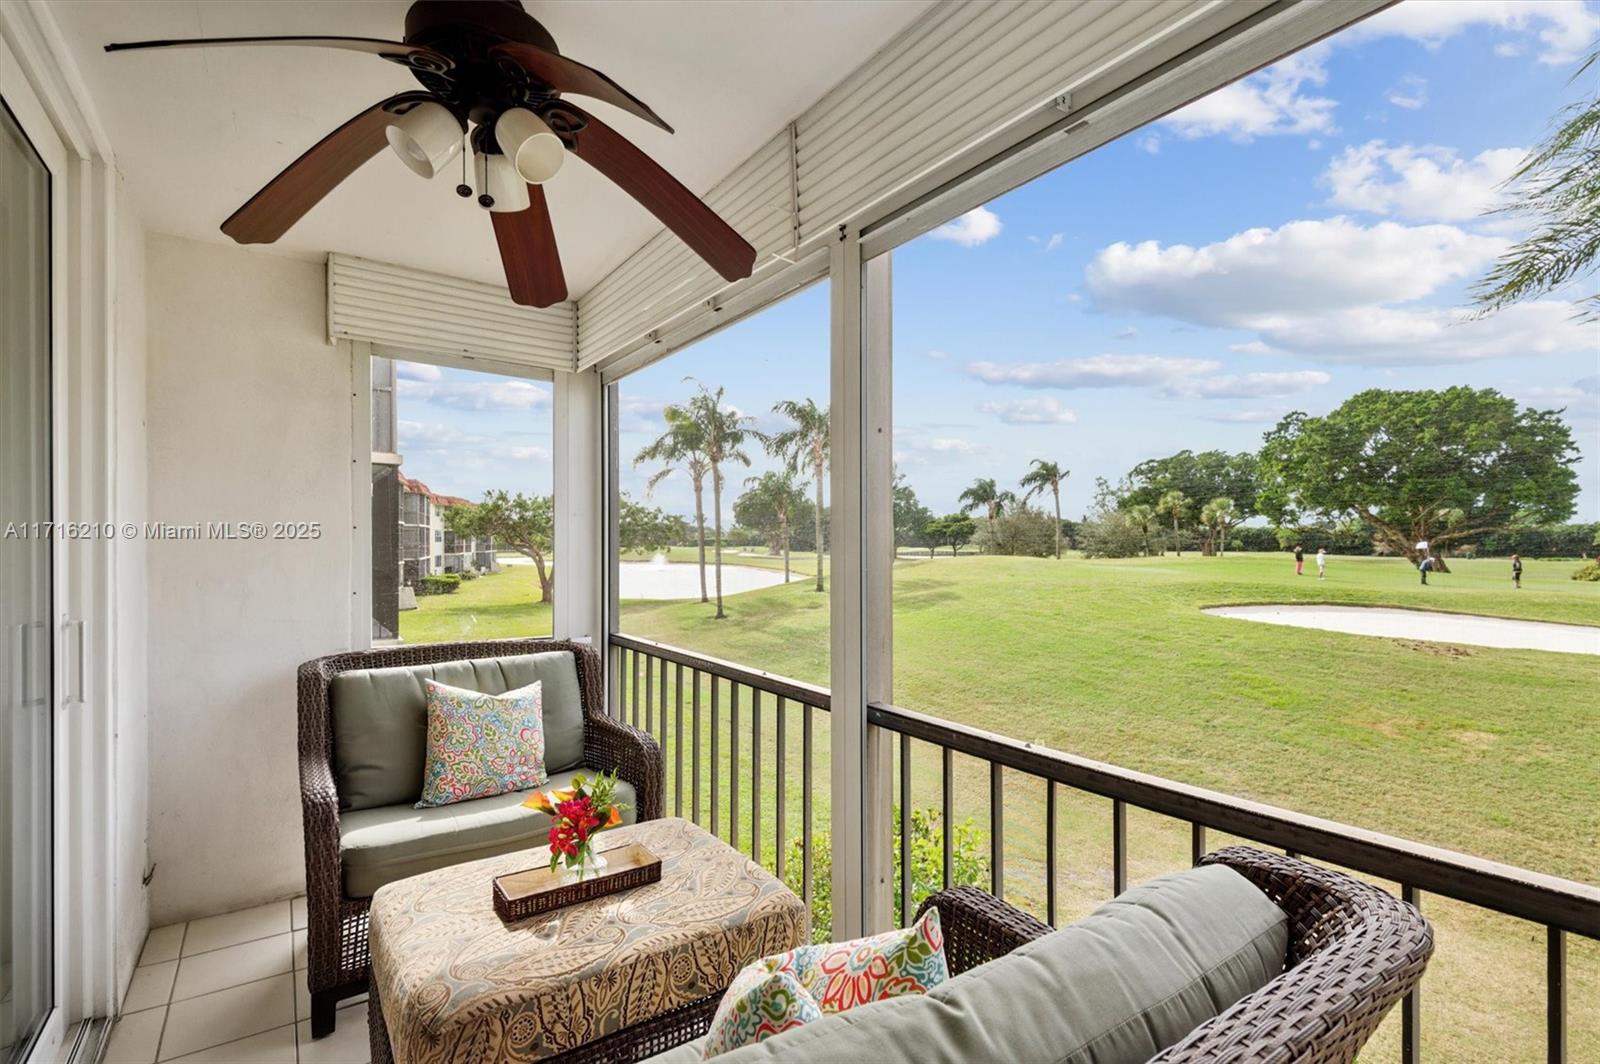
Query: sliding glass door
<point x="26" y="660"/>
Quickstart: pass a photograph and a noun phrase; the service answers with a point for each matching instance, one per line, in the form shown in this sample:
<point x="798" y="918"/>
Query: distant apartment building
<point x="409" y="537"/>
<point x="426" y="544"/>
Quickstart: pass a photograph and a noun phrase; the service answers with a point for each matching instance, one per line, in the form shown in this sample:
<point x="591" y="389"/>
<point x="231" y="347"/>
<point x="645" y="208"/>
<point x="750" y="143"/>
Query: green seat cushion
<point x="380" y="720"/>
<point x="1134" y="977"/>
<point x="381" y="845"/>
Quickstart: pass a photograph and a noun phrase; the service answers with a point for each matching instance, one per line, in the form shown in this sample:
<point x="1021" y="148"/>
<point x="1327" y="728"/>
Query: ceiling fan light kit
<point x="426" y="138"/>
<point x="486" y="64"/>
<point x="533" y="146"/>
<point x="506" y="190"/>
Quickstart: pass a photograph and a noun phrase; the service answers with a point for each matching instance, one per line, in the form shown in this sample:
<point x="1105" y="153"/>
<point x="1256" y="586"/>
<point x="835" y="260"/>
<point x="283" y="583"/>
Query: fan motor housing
<point x="431" y="20"/>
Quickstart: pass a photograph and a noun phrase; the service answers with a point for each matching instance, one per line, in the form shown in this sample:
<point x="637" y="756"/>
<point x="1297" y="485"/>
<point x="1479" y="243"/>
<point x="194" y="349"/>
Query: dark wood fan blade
<point x="662" y="195"/>
<point x="528" y="252"/>
<point x="396" y="50"/>
<point x="303" y="183"/>
<point x="569" y="75"/>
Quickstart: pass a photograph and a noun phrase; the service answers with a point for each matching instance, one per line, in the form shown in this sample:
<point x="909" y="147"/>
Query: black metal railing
<point x="698" y="705"/>
<point x="1559" y="906"/>
<point x="708" y="715"/>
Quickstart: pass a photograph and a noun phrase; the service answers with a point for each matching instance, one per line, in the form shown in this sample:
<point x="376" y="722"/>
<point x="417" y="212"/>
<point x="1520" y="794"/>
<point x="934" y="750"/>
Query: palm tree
<point x="778" y="492"/>
<point x="1047" y="475"/>
<point x="1175" y="503"/>
<point x="1218" y="516"/>
<point x="986" y="494"/>
<point x="1558" y="187"/>
<point x="804" y="448"/>
<point x="683" y="444"/>
<point x="724" y="432"/>
<point x="1141" y="517"/>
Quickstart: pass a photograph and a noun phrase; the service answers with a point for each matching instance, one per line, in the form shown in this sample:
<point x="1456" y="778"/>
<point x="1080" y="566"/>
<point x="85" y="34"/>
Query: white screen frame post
<point x="861" y="546"/>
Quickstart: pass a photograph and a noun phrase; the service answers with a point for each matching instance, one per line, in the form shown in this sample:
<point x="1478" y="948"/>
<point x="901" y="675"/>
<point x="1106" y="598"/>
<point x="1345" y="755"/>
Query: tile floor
<point x="231" y="989"/>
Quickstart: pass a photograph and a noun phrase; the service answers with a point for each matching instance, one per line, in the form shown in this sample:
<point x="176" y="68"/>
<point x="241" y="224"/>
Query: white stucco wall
<point x="249" y="420"/>
<point x="131" y="745"/>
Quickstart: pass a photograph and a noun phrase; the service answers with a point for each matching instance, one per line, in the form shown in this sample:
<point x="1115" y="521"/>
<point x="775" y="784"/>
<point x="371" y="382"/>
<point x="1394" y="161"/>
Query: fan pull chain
<point x="464" y="190"/>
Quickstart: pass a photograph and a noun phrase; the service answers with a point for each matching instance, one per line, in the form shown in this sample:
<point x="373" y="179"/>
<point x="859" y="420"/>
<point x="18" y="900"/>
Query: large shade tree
<point x="1046" y="475"/>
<point x="1422" y="466"/>
<point x="525" y="523"/>
<point x="645" y="529"/>
<point x="803" y="447"/>
<point x="910" y="516"/>
<point x="682" y="446"/>
<point x="1198" y="475"/>
<point x="724" y="431"/>
<point x="952" y="530"/>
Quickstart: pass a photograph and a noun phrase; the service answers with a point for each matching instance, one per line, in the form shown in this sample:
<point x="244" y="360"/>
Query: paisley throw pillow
<point x="785" y="991"/>
<point x="480" y="745"/>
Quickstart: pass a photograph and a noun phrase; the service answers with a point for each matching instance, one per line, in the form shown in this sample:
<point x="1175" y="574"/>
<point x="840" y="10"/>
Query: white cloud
<point x="1097" y="371"/>
<point x="1260" y="275"/>
<point x="1412" y="336"/>
<point x="1411" y="94"/>
<point x="937" y="355"/>
<point x="918" y="446"/>
<point x="473" y="448"/>
<point x="1129" y="333"/>
<point x="1248" y="385"/>
<point x="1327" y="290"/>
<point x="1251" y="347"/>
<point x="1043" y="411"/>
<point x="1247" y="417"/>
<point x="1565" y="28"/>
<point x="1272" y="102"/>
<point x="1150" y="143"/>
<point x="417" y="371"/>
<point x="1419" y="183"/>
<point x="506" y="394"/>
<point x="971" y="229"/>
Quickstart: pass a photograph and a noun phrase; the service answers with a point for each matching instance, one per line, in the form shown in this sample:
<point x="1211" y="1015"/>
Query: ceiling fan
<point x="494" y="84"/>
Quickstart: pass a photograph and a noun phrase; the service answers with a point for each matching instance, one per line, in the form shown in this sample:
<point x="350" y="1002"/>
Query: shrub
<point x="1109" y="534"/>
<point x="438" y="584"/>
<point x="1588" y="571"/>
<point x="1024" y="531"/>
<point x="469" y="574"/>
<point x="969" y="866"/>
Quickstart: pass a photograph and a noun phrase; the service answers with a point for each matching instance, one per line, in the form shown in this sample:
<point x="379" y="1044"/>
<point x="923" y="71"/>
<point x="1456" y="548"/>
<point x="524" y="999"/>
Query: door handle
<point x="25" y="676"/>
<point x="74" y="696"/>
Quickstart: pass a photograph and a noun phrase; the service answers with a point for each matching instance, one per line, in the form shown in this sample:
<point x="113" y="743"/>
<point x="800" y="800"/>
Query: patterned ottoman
<point x="628" y="976"/>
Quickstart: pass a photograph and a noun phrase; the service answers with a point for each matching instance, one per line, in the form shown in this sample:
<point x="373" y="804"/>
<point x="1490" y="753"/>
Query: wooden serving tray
<point x="532" y="891"/>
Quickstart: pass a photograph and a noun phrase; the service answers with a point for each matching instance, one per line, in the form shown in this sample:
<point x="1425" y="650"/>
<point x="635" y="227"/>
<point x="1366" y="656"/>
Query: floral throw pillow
<point x="761" y="1001"/>
<point x="480" y="745"/>
<point x="785" y="991"/>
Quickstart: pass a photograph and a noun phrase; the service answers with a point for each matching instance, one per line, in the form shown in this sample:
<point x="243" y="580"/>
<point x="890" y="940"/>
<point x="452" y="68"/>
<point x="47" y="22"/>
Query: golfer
<point x="1516" y="571"/>
<point x="1322" y="563"/>
<point x="1425" y="567"/>
<point x="1299" y="560"/>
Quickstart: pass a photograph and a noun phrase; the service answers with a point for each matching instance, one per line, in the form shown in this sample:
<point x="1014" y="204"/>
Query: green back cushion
<point x="380" y="720"/>
<point x="1117" y="987"/>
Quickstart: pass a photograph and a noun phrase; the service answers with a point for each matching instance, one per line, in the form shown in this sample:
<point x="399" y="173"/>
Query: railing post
<point x="677" y="742"/>
<point x="694" y="764"/>
<point x="947" y="812"/>
<point x="716" y="754"/>
<point x="1556" y="996"/>
<point x="905" y="830"/>
<point x="1050" y="852"/>
<point x="997" y="830"/>
<point x="781" y="780"/>
<point x="1119" y="847"/>
<point x="862" y="545"/>
<point x="1411" y="1004"/>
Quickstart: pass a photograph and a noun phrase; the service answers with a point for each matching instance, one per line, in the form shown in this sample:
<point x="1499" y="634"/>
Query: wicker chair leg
<point x="324" y="1012"/>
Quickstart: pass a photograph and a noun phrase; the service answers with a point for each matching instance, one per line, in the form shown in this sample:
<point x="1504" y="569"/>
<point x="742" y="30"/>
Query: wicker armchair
<point x="337" y="925"/>
<point x="1354" y="951"/>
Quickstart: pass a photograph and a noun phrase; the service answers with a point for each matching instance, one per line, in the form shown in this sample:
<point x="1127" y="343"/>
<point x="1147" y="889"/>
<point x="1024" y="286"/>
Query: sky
<point x="1288" y="241"/>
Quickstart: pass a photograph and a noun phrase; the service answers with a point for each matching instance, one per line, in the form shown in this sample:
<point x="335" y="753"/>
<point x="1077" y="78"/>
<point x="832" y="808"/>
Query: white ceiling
<point x="197" y="132"/>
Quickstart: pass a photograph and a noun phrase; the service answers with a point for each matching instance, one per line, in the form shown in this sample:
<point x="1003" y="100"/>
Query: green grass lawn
<point x="1492" y="752"/>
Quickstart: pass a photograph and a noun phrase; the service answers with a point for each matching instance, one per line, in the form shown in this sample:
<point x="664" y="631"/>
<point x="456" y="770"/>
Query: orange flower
<point x="546" y="801"/>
